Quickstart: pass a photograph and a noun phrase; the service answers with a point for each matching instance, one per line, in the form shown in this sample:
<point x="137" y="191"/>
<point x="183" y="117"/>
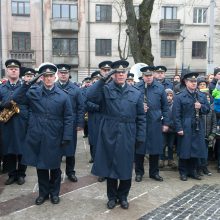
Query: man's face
<point x="49" y="80"/>
<point x="191" y="84"/>
<point x="176" y="79"/>
<point x="130" y="81"/>
<point x="159" y="75"/>
<point x="63" y="76"/>
<point x="27" y="78"/>
<point x="95" y="79"/>
<point x="148" y="79"/>
<point x="202" y="85"/>
<point x="104" y="71"/>
<point x="120" y="77"/>
<point x="169" y="97"/>
<point x="13" y="73"/>
<point x="217" y="76"/>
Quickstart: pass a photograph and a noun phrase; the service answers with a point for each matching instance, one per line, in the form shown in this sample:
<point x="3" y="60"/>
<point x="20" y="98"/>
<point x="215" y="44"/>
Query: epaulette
<point x="133" y="86"/>
<point x="178" y="92"/>
<point x="66" y="91"/>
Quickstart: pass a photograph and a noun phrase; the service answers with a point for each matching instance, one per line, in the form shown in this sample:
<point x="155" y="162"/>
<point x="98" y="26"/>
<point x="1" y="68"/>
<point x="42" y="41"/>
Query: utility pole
<point x="210" y="65"/>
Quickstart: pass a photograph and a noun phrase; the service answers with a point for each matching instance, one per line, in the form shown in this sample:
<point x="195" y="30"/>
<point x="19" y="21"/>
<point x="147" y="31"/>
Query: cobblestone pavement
<point x="198" y="203"/>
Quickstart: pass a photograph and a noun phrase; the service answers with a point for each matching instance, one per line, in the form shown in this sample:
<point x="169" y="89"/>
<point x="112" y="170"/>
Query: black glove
<point x="64" y="143"/>
<point x="138" y="144"/>
<point x="107" y="77"/>
<point x="34" y="80"/>
<point x="6" y="104"/>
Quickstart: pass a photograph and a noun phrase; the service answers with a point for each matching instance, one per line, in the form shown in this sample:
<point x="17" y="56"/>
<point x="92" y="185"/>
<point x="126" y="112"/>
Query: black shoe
<point x="101" y="179"/>
<point x="138" y="178"/>
<point x="55" y="199"/>
<point x="20" y="180"/>
<point x="196" y="176"/>
<point x="157" y="177"/>
<point x="200" y="172"/>
<point x="10" y="180"/>
<point x="91" y="160"/>
<point x="111" y="204"/>
<point x="124" y="204"/>
<point x="41" y="199"/>
<point x="206" y="171"/>
<point x="183" y="177"/>
<point x="72" y="178"/>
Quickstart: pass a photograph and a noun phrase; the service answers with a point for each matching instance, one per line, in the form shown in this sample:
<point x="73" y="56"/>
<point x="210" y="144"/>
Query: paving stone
<point x="199" y="202"/>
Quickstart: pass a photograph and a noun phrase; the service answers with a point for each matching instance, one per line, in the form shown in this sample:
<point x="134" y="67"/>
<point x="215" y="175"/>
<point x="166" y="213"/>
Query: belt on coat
<point x="120" y="119"/>
<point x="47" y="116"/>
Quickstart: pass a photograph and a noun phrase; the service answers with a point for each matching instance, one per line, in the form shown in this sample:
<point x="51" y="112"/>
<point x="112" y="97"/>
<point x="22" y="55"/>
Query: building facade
<point x="84" y="33"/>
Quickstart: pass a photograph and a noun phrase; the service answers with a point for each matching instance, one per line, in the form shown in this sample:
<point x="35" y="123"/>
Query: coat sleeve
<point x="140" y="121"/>
<point x="213" y="122"/>
<point x="165" y="109"/>
<point x="67" y="120"/>
<point x="92" y="107"/>
<point x="177" y="114"/>
<point x="20" y="95"/>
<point x="205" y="107"/>
<point x="95" y="92"/>
<point x="80" y="109"/>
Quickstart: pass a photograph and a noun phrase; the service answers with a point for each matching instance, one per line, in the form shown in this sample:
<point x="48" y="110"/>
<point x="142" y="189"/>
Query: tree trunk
<point x="139" y="31"/>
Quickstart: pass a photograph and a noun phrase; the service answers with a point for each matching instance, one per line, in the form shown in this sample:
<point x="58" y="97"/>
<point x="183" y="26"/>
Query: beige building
<point x="85" y="32"/>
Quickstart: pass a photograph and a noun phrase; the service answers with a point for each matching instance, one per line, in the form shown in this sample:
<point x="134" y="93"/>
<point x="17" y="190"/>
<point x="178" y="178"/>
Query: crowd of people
<point x="124" y="121"/>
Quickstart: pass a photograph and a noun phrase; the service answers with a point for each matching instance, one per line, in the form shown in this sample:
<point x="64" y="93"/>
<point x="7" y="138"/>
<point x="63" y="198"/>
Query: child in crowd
<point x="216" y="96"/>
<point x="169" y="137"/>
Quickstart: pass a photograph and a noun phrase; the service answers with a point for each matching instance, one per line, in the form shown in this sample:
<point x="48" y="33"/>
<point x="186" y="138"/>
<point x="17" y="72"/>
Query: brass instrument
<point x="6" y="113"/>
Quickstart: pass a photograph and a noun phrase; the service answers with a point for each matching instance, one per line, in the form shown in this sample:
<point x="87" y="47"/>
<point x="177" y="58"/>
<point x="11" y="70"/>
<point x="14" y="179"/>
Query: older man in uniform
<point x="76" y="99"/>
<point x="13" y="132"/>
<point x="157" y="121"/>
<point x="159" y="75"/>
<point x="122" y="124"/>
<point x="189" y="107"/>
<point x="50" y="129"/>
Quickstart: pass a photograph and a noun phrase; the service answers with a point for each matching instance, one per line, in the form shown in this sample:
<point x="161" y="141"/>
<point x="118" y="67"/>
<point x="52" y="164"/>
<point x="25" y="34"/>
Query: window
<point x="103" y="47"/>
<point x="169" y="12"/>
<point x="199" y="15"/>
<point x="20" y="7"/>
<point x="168" y="48"/>
<point x="104" y="13"/>
<point x="21" y="41"/>
<point x="65" y="46"/>
<point x="65" y="11"/>
<point x="199" y="49"/>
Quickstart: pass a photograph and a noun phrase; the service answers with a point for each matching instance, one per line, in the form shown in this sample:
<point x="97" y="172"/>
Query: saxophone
<point x="6" y="113"/>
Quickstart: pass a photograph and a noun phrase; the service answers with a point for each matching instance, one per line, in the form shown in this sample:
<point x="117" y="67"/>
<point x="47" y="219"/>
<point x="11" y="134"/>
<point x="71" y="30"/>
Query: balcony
<point x="170" y="26"/>
<point x="24" y="57"/>
<point x="72" y="60"/>
<point x="60" y="24"/>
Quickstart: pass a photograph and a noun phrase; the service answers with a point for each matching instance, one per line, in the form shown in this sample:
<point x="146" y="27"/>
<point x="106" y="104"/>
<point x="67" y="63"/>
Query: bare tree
<point x="139" y="31"/>
<point x="123" y="50"/>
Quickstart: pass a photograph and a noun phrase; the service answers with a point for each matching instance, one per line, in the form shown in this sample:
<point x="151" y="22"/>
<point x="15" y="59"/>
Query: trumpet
<point x="6" y="113"/>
